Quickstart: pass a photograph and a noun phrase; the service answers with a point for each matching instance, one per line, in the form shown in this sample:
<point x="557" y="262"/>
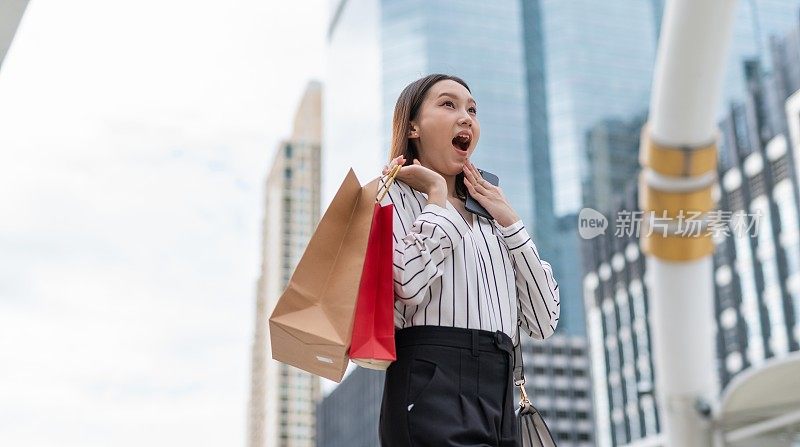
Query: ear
<point x="413" y="130"/>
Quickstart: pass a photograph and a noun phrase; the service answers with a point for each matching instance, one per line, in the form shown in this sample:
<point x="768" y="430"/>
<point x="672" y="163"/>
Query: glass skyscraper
<point x="598" y="66"/>
<point x="756" y="21"/>
<point x="588" y="63"/>
<point x="349" y="416"/>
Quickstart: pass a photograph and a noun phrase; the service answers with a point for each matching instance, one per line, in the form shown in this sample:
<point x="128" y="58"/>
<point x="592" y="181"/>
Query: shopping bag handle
<point x="385" y="187"/>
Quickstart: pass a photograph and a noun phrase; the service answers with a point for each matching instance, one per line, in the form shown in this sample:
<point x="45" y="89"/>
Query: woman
<point x="460" y="280"/>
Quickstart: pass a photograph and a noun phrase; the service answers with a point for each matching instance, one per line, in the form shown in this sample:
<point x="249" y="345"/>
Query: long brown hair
<point x="405" y="110"/>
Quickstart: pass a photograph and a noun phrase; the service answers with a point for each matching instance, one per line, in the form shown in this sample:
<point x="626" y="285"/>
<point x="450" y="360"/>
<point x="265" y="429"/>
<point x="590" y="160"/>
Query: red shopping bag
<point x="372" y="345"/>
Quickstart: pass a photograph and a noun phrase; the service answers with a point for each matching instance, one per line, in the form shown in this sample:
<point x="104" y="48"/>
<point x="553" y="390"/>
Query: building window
<point x="769" y="268"/>
<point x="750" y="307"/>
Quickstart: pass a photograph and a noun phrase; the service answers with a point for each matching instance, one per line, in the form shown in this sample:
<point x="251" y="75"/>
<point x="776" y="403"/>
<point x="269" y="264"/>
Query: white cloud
<point x="134" y="140"/>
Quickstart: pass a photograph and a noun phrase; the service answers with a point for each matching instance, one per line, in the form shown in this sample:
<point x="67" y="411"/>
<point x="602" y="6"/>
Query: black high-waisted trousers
<point x="449" y="387"/>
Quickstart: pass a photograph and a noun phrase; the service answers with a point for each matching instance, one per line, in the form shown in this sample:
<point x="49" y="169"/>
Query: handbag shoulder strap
<point x="519" y="374"/>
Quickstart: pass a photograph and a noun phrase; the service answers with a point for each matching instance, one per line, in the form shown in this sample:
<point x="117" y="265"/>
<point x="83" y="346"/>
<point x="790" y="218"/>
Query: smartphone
<point x="472" y="205"/>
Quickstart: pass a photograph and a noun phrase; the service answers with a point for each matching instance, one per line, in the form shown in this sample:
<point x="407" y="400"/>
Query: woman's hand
<point x="422" y="179"/>
<point x="489" y="196"/>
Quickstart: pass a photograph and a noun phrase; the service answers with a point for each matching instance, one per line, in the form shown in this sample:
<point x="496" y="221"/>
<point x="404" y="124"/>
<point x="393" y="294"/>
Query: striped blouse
<point x="479" y="275"/>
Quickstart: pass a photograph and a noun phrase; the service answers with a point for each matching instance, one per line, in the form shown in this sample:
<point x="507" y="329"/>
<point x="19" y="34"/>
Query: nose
<point x="465" y="120"/>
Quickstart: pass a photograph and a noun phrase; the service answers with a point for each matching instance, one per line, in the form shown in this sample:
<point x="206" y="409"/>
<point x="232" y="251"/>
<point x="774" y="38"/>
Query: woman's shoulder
<point x="408" y="200"/>
<point x="399" y="191"/>
<point x="405" y="188"/>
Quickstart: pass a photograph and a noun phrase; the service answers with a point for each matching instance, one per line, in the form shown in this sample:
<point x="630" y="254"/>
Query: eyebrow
<point x="472" y="100"/>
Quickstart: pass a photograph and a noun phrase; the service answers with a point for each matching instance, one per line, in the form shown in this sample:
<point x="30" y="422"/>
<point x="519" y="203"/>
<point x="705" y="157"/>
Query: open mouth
<point x="461" y="142"/>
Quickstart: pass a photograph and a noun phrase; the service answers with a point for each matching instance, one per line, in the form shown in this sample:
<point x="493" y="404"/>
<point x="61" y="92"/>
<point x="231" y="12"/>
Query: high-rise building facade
<point x="282" y="407"/>
<point x="348" y="416"/>
<point x="589" y="64"/>
<point x="612" y="150"/>
<point x="756" y="260"/>
<point x="617" y="309"/>
<point x="558" y="381"/>
<point x="756" y="22"/>
<point x="598" y="65"/>
<point x="756" y="283"/>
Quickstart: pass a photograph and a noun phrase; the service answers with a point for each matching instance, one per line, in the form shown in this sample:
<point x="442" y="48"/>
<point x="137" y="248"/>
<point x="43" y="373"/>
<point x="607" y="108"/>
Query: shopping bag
<point x="372" y="345"/>
<point x="311" y="325"/>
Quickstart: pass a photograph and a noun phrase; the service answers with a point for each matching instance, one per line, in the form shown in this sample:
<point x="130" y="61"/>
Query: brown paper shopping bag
<point x="312" y="323"/>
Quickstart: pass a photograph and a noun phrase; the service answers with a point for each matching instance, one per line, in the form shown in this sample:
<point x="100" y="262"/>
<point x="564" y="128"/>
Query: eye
<point x="473" y="110"/>
<point x="449" y="102"/>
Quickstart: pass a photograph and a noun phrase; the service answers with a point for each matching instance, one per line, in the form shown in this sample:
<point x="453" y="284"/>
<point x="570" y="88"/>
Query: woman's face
<point x="446" y="128"/>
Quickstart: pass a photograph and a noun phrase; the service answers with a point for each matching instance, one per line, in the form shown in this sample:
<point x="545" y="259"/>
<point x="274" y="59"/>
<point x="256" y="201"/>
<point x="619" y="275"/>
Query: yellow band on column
<point x="676" y="162"/>
<point x="699" y="200"/>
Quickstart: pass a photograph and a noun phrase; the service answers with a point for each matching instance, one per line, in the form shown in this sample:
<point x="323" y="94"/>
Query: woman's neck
<point x="450" y="180"/>
<point x="451" y="185"/>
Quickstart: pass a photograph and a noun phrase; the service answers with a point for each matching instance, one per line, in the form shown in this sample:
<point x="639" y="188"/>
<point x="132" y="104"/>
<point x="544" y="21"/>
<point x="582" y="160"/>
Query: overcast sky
<point x="135" y="137"/>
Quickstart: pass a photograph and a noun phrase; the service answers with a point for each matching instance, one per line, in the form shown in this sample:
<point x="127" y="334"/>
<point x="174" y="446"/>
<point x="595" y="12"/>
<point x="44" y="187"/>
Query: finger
<point x="469" y="186"/>
<point x="399" y="160"/>
<point x="468" y="173"/>
<point x="478" y="176"/>
<point x="482" y="182"/>
<point x="478" y="183"/>
<point x="477" y="172"/>
<point x="481" y="189"/>
<point x="473" y="176"/>
<point x="469" y="179"/>
<point x="472" y="190"/>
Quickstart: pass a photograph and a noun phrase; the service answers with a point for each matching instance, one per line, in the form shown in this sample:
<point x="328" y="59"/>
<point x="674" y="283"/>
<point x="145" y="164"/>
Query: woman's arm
<point x="537" y="290"/>
<point x="421" y="244"/>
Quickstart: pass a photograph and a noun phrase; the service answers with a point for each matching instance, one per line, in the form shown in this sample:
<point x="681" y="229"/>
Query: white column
<point x="686" y="88"/>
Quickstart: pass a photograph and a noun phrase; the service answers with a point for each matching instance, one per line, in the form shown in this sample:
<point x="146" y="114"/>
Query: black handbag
<point x="532" y="431"/>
